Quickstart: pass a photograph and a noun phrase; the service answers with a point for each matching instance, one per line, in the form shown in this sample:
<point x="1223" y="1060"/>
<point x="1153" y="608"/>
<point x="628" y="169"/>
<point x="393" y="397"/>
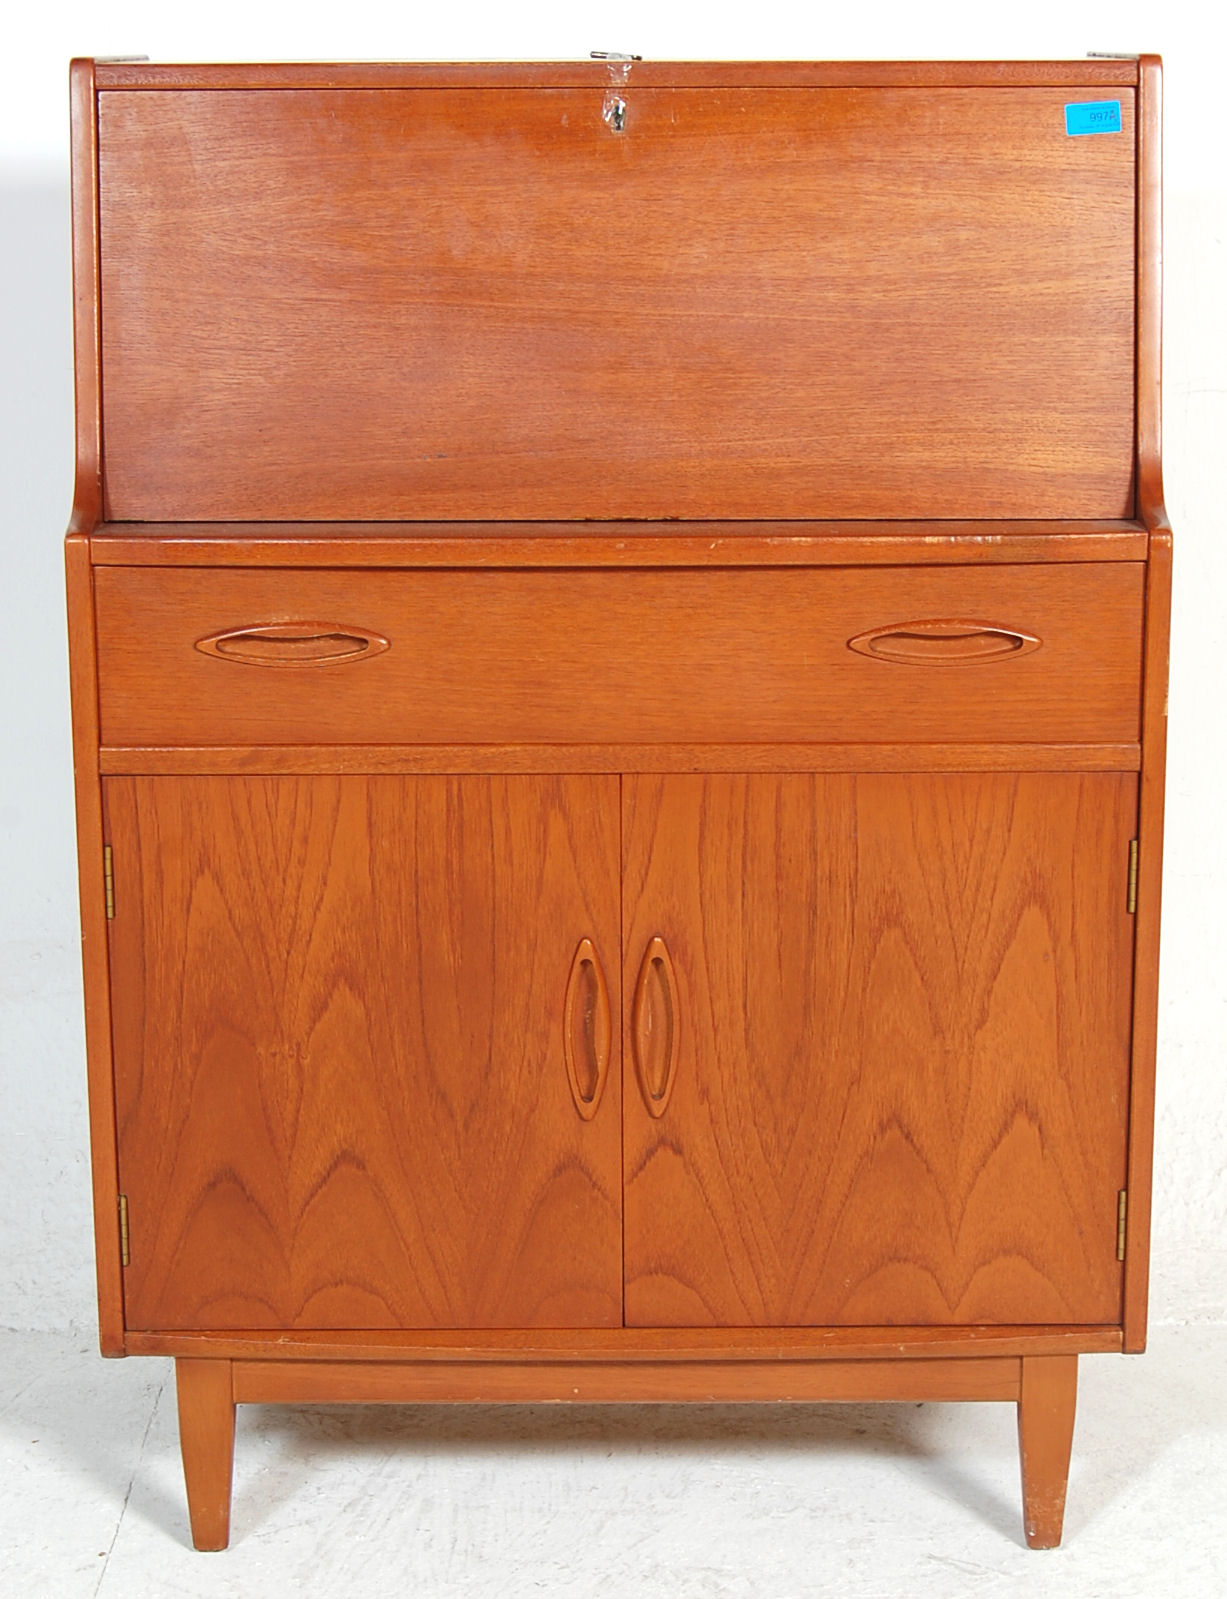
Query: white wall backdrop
<point x="45" y="1240"/>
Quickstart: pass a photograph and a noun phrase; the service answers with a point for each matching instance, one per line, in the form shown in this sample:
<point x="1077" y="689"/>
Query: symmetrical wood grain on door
<point x="343" y="1089"/>
<point x="900" y="1015"/>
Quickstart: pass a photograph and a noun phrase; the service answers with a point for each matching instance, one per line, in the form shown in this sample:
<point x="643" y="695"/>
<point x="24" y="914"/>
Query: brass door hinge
<point x="1132" y="902"/>
<point x="1122" y="1206"/>
<point x="108" y="881"/>
<point x="125" y="1254"/>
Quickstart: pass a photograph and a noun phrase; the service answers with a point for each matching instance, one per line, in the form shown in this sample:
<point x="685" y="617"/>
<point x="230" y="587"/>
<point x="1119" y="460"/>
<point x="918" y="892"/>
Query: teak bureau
<point x="619" y="623"/>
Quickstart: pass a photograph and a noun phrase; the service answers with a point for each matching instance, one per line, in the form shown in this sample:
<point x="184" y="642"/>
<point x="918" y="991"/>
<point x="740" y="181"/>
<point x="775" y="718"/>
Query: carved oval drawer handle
<point x="943" y="643"/>
<point x="294" y="644"/>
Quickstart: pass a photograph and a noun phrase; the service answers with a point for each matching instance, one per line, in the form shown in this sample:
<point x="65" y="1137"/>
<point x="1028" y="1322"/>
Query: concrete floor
<point x="749" y="1503"/>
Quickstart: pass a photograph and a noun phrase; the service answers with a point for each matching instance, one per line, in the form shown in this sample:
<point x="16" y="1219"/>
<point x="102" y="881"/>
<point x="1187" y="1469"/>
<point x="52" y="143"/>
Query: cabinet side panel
<point x="1154" y="698"/>
<point x="1146" y="974"/>
<point x="903" y="1023"/>
<point x="87" y="352"/>
<point x="449" y="303"/>
<point x="94" y="961"/>
<point x="342" y="1091"/>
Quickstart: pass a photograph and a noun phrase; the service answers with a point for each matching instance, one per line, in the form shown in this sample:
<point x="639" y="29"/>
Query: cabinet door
<point x="343" y="1011"/>
<point x="877" y="1048"/>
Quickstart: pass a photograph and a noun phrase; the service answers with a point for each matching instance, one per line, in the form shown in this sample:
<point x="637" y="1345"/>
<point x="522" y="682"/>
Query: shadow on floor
<point x="305" y="1437"/>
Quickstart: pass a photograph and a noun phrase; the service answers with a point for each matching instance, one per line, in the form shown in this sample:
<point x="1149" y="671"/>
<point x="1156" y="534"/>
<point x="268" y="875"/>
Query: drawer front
<point x="1034" y="654"/>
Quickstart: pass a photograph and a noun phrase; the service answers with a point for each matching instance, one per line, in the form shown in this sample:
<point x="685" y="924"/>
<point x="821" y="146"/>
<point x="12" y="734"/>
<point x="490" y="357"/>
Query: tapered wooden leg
<point x="206" y="1439"/>
<point x="1046" y="1401"/>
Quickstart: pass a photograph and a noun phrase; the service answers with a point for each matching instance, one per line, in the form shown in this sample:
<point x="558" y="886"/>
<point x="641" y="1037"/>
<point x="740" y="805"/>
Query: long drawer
<point x="898" y="654"/>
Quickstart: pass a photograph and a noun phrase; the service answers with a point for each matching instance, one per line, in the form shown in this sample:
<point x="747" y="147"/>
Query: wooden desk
<point x="619" y="628"/>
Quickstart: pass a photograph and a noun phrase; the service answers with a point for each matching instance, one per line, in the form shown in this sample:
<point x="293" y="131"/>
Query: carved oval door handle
<point x="586" y="1033"/>
<point x="943" y="643"/>
<point x="654" y="1027"/>
<point x="294" y="644"/>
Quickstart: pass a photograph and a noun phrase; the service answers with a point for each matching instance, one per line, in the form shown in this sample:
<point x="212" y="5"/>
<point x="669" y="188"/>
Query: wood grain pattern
<point x="143" y="75"/>
<point x="1046" y="1407"/>
<point x="338" y="1046"/>
<point x="709" y="543"/>
<point x="659" y="1344"/>
<point x="187" y="760"/>
<point x="205" y="1391"/>
<point x="621" y="656"/>
<point x="83" y="679"/>
<point x="365" y="1382"/>
<point x="438" y="319"/>
<point x="904" y="1026"/>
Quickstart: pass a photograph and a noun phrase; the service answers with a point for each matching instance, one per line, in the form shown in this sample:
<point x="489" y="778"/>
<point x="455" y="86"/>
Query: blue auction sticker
<point x="1093" y="116"/>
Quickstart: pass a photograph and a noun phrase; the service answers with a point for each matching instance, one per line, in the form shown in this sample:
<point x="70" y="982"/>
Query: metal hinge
<point x="1122" y="1206"/>
<point x="125" y="1255"/>
<point x="1131" y="904"/>
<point x="108" y="881"/>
